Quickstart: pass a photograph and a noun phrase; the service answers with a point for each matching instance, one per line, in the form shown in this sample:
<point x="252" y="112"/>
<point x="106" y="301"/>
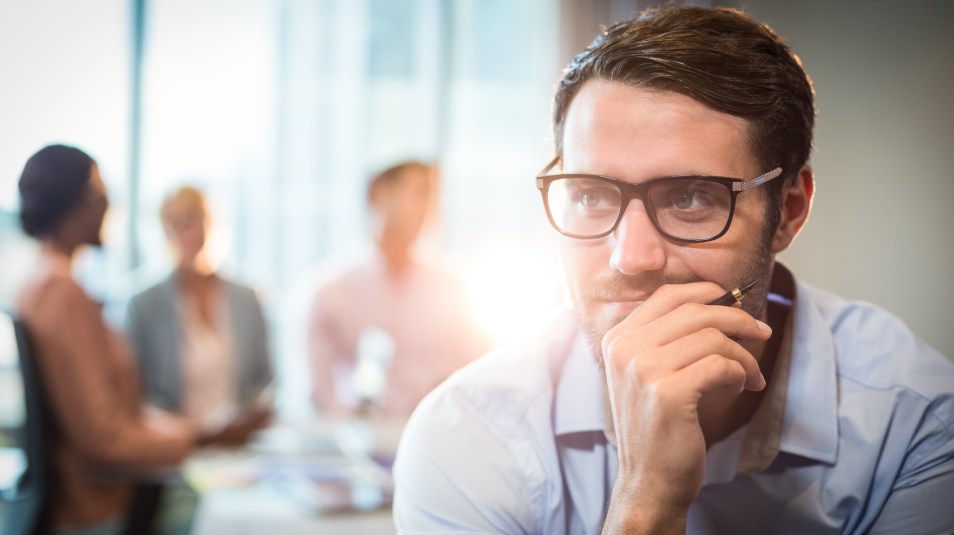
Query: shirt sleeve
<point x="921" y="499"/>
<point x="455" y="474"/>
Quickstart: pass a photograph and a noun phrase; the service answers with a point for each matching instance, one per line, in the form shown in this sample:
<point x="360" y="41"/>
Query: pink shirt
<point x="418" y="322"/>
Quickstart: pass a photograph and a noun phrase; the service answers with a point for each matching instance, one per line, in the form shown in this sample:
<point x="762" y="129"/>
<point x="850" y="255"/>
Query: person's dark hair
<point x="51" y="184"/>
<point x="719" y="57"/>
<point x="394" y="174"/>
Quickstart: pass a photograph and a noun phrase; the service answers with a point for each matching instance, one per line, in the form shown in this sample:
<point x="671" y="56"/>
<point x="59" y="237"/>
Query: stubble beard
<point x="757" y="266"/>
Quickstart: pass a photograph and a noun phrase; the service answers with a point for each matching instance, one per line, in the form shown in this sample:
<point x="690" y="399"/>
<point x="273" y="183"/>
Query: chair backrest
<point x="25" y="466"/>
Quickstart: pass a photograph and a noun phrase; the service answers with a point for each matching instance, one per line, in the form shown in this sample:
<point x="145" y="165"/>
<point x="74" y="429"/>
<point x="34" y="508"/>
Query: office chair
<point x="26" y="505"/>
<point x="26" y="509"/>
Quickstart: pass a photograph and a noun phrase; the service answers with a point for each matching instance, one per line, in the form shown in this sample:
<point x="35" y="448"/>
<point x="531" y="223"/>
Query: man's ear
<point x="796" y="205"/>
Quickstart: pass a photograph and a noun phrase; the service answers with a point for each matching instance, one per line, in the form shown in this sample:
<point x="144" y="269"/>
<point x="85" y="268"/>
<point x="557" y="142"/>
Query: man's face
<point x="636" y="135"/>
<point x="405" y="205"/>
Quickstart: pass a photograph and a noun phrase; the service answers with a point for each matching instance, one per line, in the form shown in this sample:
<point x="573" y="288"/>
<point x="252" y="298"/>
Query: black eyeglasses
<point x="692" y="209"/>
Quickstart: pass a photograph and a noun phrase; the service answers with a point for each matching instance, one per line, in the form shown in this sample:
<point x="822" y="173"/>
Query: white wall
<point x="881" y="229"/>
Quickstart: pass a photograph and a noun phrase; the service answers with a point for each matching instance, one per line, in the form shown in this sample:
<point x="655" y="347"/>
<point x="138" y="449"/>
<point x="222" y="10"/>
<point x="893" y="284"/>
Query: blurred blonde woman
<point x="201" y="339"/>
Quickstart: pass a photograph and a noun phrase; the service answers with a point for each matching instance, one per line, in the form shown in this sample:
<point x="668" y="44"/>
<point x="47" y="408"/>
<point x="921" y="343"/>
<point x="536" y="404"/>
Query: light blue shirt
<point x="515" y="442"/>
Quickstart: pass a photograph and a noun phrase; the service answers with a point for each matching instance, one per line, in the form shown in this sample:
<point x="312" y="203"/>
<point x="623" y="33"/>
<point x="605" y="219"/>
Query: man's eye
<point x="690" y="198"/>
<point x="591" y="198"/>
<point x="684" y="200"/>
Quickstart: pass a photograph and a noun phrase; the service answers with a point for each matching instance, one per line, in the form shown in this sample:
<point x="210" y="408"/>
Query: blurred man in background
<point x="387" y="327"/>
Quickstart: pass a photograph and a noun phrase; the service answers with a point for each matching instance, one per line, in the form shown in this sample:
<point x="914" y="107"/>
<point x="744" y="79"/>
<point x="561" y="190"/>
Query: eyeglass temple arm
<point x="549" y="166"/>
<point x="757" y="181"/>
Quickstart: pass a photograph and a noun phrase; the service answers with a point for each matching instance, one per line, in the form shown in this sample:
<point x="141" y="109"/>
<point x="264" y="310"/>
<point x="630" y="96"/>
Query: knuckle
<point x="640" y="370"/>
<point x="724" y="366"/>
<point x="610" y="351"/>
<point x="712" y="336"/>
<point x="735" y="369"/>
<point x="627" y="361"/>
<point x="732" y="367"/>
<point x="616" y="354"/>
<point x="614" y="332"/>
<point x="695" y="309"/>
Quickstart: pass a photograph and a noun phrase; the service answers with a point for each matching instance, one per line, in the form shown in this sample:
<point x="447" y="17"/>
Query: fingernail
<point x="762" y="381"/>
<point x="764" y="327"/>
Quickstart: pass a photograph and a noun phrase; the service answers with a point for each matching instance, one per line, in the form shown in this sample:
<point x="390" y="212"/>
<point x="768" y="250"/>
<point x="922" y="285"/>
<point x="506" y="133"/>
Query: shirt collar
<point x="798" y="413"/>
<point x="810" y="423"/>
<point x="762" y="435"/>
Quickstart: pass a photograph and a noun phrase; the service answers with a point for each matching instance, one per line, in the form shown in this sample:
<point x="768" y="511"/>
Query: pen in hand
<point x="733" y="296"/>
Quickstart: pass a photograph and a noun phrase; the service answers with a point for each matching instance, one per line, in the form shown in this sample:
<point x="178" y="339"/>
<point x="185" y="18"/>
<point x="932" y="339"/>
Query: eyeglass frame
<point x="629" y="191"/>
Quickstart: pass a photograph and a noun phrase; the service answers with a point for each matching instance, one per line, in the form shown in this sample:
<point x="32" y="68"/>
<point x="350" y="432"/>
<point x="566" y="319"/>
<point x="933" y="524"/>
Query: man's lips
<point x="623" y="304"/>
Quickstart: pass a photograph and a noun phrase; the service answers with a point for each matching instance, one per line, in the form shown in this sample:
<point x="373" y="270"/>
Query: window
<point x="280" y="110"/>
<point x="66" y="80"/>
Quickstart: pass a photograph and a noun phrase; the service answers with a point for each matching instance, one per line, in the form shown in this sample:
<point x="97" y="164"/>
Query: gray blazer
<point x="154" y="327"/>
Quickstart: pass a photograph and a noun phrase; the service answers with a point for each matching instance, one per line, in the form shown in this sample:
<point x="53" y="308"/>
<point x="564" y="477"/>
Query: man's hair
<point x="52" y="183"/>
<point x="395" y="173"/>
<point x="719" y="57"/>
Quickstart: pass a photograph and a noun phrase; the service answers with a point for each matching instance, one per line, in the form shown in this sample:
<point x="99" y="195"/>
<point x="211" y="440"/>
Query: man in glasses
<point x="681" y="170"/>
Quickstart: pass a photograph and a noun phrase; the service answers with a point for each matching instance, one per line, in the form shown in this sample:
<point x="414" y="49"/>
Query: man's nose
<point x="637" y="245"/>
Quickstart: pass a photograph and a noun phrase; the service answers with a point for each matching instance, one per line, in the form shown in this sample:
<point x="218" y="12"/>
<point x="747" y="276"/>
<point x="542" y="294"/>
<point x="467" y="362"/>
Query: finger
<point x="646" y="365"/>
<point x="692" y="317"/>
<point x="712" y="342"/>
<point x="667" y="298"/>
<point x="710" y="373"/>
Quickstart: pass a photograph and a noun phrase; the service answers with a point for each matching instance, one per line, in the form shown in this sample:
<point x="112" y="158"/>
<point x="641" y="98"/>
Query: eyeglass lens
<point x="684" y="208"/>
